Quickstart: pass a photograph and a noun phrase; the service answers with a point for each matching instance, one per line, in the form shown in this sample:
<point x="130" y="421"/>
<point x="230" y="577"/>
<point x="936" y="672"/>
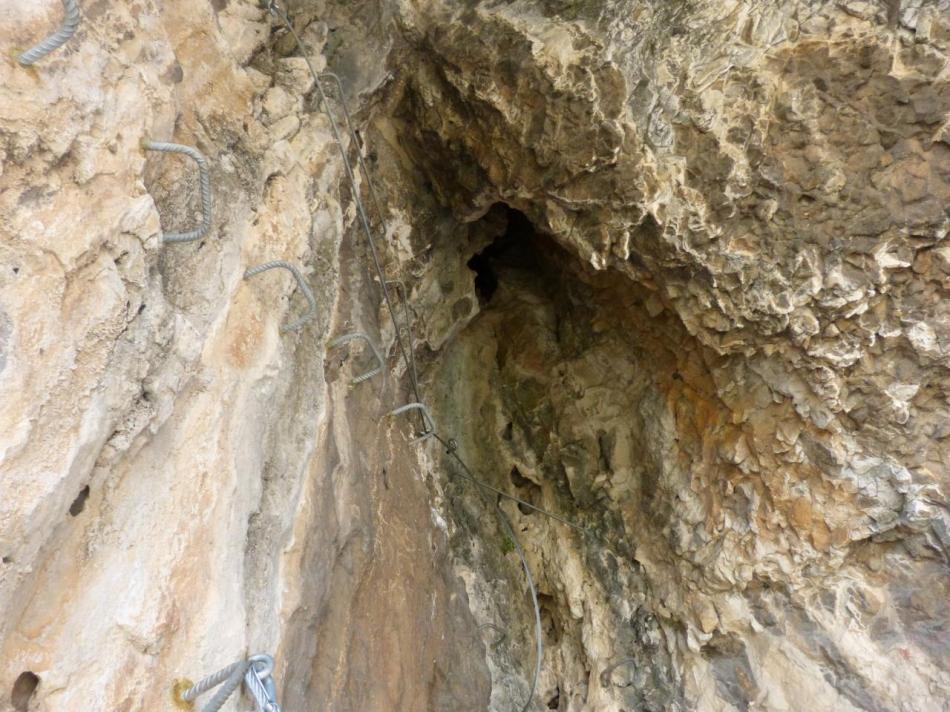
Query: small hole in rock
<point x="555" y="702"/>
<point x="80" y="502"/>
<point x="7" y="559"/>
<point x="23" y="690"/>
<point x="519" y="480"/>
<point x="517" y="237"/>
<point x="522" y="482"/>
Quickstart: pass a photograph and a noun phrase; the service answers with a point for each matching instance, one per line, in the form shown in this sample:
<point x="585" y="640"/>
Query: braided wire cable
<point x="510" y="533"/>
<point x="55" y="40"/>
<point x="429" y="427"/>
<point x="255" y="672"/>
<point x="231" y="676"/>
<point x="204" y="182"/>
<point x="403" y="294"/>
<point x="207" y="683"/>
<point x="359" y="335"/>
<point x="301" y="283"/>
<point x="260" y="683"/>
<point x="278" y="12"/>
<point x="227" y="689"/>
<point x="467" y="475"/>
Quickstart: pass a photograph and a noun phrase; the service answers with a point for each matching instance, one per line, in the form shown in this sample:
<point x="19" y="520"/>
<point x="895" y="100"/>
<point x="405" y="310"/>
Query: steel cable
<point x="255" y="672"/>
<point x="428" y="427"/>
<point x="231" y="676"/>
<point x="57" y="39"/>
<point x="510" y="532"/>
<point x="275" y="9"/>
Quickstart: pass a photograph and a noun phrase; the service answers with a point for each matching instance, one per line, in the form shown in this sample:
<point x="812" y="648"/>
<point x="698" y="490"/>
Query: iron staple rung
<point x="301" y="283"/>
<point x="204" y="182"/>
<point x="56" y="40"/>
<point x="359" y="335"/>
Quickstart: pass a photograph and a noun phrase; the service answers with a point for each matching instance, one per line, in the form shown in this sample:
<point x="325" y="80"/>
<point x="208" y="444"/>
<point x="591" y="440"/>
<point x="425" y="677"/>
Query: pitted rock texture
<point x="181" y="486"/>
<point x="759" y="196"/>
<point x="676" y="270"/>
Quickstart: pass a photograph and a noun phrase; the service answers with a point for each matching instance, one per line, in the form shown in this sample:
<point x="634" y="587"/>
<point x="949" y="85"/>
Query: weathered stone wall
<point x="180" y="482"/>
<point x="725" y="354"/>
<point x="747" y="384"/>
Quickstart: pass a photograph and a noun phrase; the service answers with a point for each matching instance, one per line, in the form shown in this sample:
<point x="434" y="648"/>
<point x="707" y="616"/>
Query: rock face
<point x="676" y="272"/>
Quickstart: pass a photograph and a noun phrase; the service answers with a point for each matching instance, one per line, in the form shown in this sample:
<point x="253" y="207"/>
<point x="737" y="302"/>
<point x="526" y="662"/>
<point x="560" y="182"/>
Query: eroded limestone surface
<point x="706" y="320"/>
<point x="742" y="375"/>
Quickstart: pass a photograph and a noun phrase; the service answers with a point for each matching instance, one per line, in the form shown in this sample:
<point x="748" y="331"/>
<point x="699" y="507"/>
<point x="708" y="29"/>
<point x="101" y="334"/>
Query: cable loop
<point x="408" y="353"/>
<point x="359" y="335"/>
<point x="276" y="10"/>
<point x="403" y="294"/>
<point x="204" y="181"/>
<point x="260" y="683"/>
<point x="301" y="283"/>
<point x="57" y="39"/>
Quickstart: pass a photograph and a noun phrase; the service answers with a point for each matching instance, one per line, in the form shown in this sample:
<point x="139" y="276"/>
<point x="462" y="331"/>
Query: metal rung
<point x="429" y="422"/>
<point x="358" y="335"/>
<point x="301" y="282"/>
<point x="204" y="180"/>
<point x="55" y="40"/>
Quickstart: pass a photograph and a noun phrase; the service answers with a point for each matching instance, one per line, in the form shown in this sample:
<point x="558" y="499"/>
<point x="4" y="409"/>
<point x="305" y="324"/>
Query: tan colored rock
<point x="707" y="321"/>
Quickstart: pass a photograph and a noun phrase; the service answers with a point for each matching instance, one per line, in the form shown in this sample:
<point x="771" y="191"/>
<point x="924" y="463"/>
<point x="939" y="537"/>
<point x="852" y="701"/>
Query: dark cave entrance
<point x="516" y="246"/>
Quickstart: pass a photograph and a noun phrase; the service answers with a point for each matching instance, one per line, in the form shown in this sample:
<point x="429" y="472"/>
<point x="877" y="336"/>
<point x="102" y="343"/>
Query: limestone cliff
<point x="677" y="272"/>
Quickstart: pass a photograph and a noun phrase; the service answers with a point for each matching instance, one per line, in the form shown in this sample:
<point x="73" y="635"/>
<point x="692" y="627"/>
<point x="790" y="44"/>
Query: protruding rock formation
<point x="676" y="272"/>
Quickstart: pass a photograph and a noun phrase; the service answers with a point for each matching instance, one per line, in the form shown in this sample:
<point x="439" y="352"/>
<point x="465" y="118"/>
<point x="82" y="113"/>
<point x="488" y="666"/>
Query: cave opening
<point x="514" y="246"/>
<point x="23" y="690"/>
<point x="565" y="404"/>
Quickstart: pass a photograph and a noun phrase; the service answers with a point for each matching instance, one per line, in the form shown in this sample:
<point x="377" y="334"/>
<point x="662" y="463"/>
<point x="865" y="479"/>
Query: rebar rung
<point x="57" y="39"/>
<point x="359" y="335"/>
<point x="428" y="421"/>
<point x="301" y="283"/>
<point x="204" y="182"/>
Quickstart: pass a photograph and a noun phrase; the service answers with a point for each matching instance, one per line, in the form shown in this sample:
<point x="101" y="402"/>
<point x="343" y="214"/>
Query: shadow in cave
<point x="518" y="246"/>
<point x="570" y="357"/>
